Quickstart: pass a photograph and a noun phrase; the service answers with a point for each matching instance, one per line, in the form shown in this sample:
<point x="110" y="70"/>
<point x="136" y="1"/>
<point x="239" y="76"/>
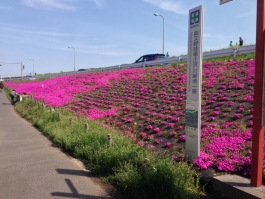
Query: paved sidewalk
<point x="30" y="167"/>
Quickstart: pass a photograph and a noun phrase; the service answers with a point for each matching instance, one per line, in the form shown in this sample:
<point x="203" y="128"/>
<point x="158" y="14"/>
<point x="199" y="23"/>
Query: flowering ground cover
<point x="148" y="105"/>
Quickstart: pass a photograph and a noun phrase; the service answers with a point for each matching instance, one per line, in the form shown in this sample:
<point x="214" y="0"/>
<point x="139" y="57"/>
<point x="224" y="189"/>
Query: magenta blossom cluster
<point x="152" y="101"/>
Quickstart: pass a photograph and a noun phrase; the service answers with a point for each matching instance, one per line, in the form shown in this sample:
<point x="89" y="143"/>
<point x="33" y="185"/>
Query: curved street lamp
<point x="74" y="55"/>
<point x="156" y="14"/>
<point x="33" y="66"/>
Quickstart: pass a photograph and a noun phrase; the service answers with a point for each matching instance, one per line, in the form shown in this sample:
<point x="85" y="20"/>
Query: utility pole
<point x="21" y="70"/>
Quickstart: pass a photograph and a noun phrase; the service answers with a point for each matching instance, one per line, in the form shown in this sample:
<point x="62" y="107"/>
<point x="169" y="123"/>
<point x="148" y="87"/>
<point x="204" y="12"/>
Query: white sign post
<point x="224" y="1"/>
<point x="194" y="82"/>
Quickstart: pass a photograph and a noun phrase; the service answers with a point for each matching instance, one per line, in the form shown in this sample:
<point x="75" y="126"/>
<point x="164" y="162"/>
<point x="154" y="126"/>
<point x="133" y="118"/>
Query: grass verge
<point x="137" y="172"/>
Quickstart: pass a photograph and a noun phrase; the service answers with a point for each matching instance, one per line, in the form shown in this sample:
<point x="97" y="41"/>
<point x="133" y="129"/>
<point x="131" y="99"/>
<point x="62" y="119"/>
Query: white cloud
<point x="214" y="36"/>
<point x="107" y="49"/>
<point x="5" y="8"/>
<point x="20" y="29"/>
<point x="99" y="3"/>
<point x="176" y="6"/>
<point x="253" y="12"/>
<point x="58" y="4"/>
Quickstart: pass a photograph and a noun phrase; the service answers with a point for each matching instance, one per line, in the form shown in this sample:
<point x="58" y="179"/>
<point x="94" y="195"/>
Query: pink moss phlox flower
<point x="241" y="109"/>
<point x="171" y="125"/>
<point x="141" y="143"/>
<point x="169" y="117"/>
<point x="238" y="115"/>
<point x="226" y="125"/>
<point x="161" y="116"/>
<point x="180" y="127"/>
<point x="182" y="138"/>
<point x="124" y="119"/>
<point x="150" y="137"/>
<point x="159" y="134"/>
<point x="142" y="117"/>
<point x="250" y="123"/>
<point x="151" y="146"/>
<point x="225" y="164"/>
<point x="212" y="118"/>
<point x="220" y="103"/>
<point x="154" y="114"/>
<point x="143" y="134"/>
<point x="175" y="119"/>
<point x="167" y="144"/>
<point x="163" y="123"/>
<point x="149" y="127"/>
<point x="173" y="133"/>
<point x="156" y="129"/>
<point x="130" y="120"/>
<point x="174" y="158"/>
<point x="204" y="160"/>
<point x="215" y="113"/>
<point x="240" y="86"/>
<point x="98" y="95"/>
<point x="217" y="108"/>
<point x="57" y="92"/>
<point x="231" y="103"/>
<point x="158" y="141"/>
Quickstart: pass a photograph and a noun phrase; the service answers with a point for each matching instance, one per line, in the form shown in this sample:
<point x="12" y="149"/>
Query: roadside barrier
<point x="217" y="53"/>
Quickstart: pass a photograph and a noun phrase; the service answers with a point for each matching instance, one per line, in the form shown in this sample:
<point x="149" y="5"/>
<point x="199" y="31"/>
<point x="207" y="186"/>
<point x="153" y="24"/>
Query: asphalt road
<point x="30" y="167"/>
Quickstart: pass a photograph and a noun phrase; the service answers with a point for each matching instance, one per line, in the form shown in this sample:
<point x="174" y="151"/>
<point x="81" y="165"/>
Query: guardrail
<point x="181" y="58"/>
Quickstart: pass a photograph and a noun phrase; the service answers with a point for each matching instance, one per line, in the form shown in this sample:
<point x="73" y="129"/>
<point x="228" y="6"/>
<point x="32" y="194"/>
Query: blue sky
<point x="110" y="32"/>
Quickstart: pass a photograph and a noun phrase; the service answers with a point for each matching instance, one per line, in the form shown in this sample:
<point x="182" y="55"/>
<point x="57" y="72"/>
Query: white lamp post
<point x="33" y="65"/>
<point x="74" y="55"/>
<point x="156" y="14"/>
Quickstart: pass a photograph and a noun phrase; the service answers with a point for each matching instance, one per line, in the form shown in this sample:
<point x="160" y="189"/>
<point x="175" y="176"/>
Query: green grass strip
<point x="122" y="163"/>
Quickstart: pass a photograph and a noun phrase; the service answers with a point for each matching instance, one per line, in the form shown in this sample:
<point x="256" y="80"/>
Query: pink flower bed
<point x="151" y="104"/>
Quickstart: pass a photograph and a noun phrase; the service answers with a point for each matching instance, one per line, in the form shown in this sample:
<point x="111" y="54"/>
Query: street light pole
<point x="74" y="55"/>
<point x="33" y="65"/>
<point x="156" y="14"/>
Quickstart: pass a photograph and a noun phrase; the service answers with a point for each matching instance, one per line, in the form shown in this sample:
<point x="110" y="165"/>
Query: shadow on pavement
<point x="72" y="172"/>
<point x="6" y="103"/>
<point x="74" y="193"/>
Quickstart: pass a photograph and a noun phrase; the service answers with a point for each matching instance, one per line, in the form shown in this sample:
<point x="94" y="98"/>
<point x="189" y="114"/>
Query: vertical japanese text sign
<point x="194" y="82"/>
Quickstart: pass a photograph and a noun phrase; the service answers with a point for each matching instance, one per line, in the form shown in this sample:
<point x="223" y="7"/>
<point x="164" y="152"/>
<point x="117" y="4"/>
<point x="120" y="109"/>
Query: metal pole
<point x="156" y="14"/>
<point x="33" y="65"/>
<point x="163" y="33"/>
<point x="33" y="68"/>
<point x="74" y="55"/>
<point x="74" y="59"/>
<point x="258" y="129"/>
<point x="21" y="70"/>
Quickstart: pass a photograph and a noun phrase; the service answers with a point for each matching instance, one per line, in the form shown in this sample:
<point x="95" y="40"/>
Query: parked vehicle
<point x="150" y="57"/>
<point x="30" y="77"/>
<point x="83" y="69"/>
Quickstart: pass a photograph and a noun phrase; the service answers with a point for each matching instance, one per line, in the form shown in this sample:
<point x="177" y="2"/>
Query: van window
<point x="140" y="59"/>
